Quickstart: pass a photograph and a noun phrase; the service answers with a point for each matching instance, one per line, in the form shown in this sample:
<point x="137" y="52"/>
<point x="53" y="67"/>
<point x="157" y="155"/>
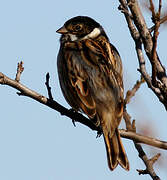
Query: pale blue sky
<point x="37" y="143"/>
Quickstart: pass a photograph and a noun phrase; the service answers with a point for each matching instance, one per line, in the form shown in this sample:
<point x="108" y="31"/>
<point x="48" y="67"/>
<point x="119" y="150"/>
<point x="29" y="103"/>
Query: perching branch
<point x="77" y="117"/>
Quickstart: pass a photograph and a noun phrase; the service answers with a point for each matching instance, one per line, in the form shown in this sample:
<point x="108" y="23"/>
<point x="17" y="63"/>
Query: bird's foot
<point x="73" y="121"/>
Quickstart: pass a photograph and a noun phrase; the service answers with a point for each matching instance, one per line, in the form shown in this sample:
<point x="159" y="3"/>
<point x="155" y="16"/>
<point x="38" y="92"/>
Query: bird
<point x="91" y="79"/>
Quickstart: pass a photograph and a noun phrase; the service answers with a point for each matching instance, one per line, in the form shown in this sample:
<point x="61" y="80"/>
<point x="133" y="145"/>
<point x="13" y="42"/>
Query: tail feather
<point x="123" y="160"/>
<point x="115" y="151"/>
<point x="112" y="152"/>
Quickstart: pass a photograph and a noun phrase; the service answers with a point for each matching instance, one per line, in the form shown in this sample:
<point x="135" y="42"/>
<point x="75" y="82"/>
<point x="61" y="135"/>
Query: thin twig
<point x="131" y="93"/>
<point x="20" y="69"/>
<point x="162" y="20"/>
<point x="156" y="21"/>
<point x="48" y="86"/>
<point x="148" y="162"/>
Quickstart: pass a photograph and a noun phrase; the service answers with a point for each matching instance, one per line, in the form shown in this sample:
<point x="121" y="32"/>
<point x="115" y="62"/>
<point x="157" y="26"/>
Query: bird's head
<point x="81" y="27"/>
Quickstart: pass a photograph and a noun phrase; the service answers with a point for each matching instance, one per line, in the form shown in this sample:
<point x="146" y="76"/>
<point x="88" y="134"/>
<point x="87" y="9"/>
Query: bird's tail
<point x="115" y="151"/>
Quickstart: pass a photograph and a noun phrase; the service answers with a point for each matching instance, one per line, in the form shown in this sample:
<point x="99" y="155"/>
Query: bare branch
<point x="131" y="93"/>
<point x="48" y="87"/>
<point x="4" y="80"/>
<point x="20" y="69"/>
<point x="127" y="119"/>
<point x="162" y="20"/>
<point x="156" y="21"/>
<point x="157" y="90"/>
<point x="138" y="42"/>
<point x="139" y="21"/>
<point x="142" y="35"/>
<point x="155" y="158"/>
<point x="145" y="139"/>
<point x="124" y="9"/>
<point x="77" y="117"/>
<point x="158" y="81"/>
<point x="148" y="163"/>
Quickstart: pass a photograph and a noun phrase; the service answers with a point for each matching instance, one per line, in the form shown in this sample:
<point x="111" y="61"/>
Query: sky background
<point x="37" y="143"/>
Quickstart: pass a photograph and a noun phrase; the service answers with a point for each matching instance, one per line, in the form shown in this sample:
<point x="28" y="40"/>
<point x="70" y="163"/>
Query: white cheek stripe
<point x="96" y="32"/>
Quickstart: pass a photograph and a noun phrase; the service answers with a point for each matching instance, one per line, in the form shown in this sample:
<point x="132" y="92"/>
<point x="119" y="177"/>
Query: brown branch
<point x="130" y="134"/>
<point x="20" y="69"/>
<point x="25" y="91"/>
<point x="131" y="127"/>
<point x="158" y="71"/>
<point x="157" y="90"/>
<point x="162" y="20"/>
<point x="4" y="80"/>
<point x="148" y="163"/>
<point x="145" y="139"/>
<point x="159" y="10"/>
<point x="146" y="37"/>
<point x="131" y="93"/>
<point x="138" y="42"/>
<point x="156" y="21"/>
<point x="124" y="9"/>
<point x="127" y="118"/>
<point x="141" y="35"/>
<point x="151" y="8"/>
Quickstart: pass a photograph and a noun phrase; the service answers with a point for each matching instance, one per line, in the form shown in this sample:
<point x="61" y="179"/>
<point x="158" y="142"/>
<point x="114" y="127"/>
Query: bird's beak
<point x="62" y="30"/>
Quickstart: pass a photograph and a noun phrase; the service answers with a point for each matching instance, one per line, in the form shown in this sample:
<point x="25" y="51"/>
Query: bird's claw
<point x="73" y="121"/>
<point x="99" y="133"/>
<point x="73" y="111"/>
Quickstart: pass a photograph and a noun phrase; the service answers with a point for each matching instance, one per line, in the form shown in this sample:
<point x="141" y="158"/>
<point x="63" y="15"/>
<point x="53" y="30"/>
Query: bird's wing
<point x="89" y="53"/>
<point x="78" y="79"/>
<point x="108" y="60"/>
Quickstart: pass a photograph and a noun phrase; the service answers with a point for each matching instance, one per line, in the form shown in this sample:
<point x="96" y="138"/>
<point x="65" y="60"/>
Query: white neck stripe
<point x="96" y="32"/>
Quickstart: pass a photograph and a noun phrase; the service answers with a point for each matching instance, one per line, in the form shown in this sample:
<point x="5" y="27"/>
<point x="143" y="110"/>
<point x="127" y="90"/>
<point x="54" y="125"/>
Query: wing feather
<point x="79" y="80"/>
<point x="98" y="55"/>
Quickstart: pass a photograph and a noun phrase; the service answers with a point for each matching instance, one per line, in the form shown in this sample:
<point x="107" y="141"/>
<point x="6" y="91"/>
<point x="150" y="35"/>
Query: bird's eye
<point x="78" y="27"/>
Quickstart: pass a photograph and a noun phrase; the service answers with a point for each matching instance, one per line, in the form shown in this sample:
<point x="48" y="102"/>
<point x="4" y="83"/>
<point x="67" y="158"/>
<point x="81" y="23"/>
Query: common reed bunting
<point x="90" y="75"/>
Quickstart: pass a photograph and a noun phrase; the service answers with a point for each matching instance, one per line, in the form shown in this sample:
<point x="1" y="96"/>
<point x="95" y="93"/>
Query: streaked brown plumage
<point x="90" y="75"/>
